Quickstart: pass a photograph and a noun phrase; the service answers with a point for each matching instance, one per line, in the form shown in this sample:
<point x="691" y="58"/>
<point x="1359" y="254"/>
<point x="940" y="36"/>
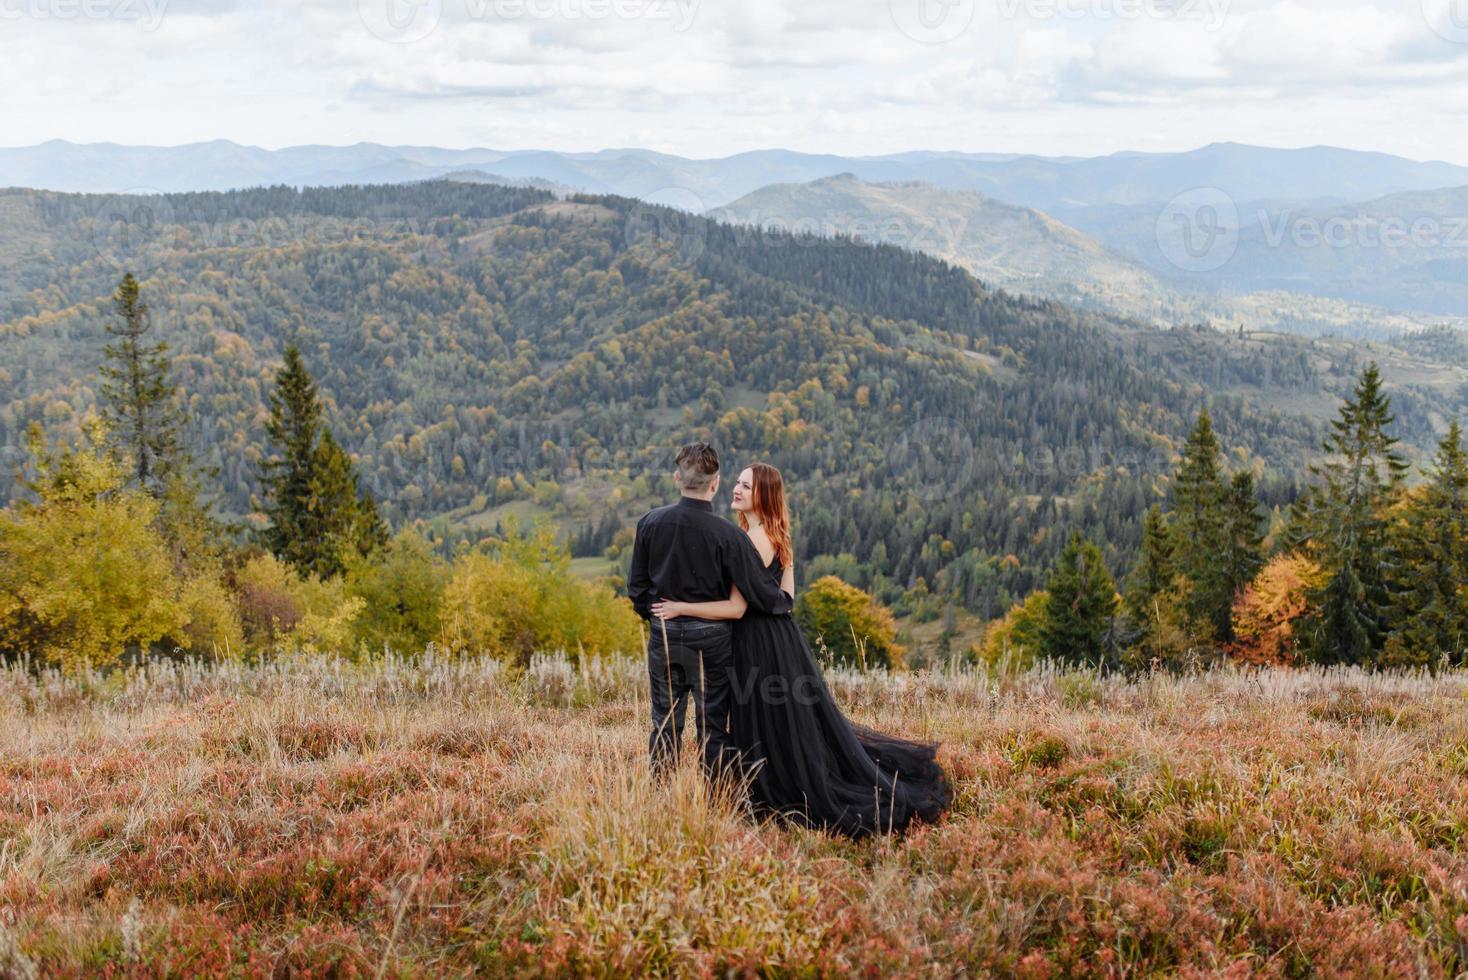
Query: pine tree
<point x="318" y="514"/>
<point x="294" y="427"/>
<point x="138" y="396"/>
<point x="1429" y="611"/>
<point x="1346" y="525"/>
<point x="344" y="518"/>
<point x="1242" y="555"/>
<point x="370" y="532"/>
<point x="1200" y="495"/>
<point x="1155" y="568"/>
<point x="1198" y="488"/>
<point x="1079" y="615"/>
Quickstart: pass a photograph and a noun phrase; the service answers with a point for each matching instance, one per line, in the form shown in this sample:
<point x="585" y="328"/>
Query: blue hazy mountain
<point x="1318" y="175"/>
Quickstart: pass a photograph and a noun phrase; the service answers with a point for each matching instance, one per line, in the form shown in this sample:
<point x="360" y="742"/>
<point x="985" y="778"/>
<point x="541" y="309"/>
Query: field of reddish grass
<point x="318" y="818"/>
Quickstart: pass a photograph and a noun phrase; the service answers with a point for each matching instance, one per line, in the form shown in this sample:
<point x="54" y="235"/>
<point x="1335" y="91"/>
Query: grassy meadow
<point x="315" y="817"/>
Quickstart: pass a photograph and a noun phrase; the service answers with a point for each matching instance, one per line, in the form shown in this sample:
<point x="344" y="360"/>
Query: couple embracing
<point x="718" y="597"/>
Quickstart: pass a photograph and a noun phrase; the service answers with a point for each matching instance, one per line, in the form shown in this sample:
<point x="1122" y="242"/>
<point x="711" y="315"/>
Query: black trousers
<point x="691" y="659"/>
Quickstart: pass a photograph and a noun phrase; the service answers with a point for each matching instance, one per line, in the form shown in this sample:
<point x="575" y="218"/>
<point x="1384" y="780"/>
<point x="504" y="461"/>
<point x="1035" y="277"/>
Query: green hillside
<point x="1121" y="271"/>
<point x="486" y="351"/>
<point x="1002" y="245"/>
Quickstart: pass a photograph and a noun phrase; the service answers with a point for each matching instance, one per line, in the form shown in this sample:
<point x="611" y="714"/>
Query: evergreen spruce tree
<point x="318" y="515"/>
<point x="140" y="402"/>
<point x="1296" y="536"/>
<point x="1079" y="615"/>
<point x="294" y="427"/>
<point x="370" y="532"/>
<point x="1242" y="554"/>
<point x="1155" y="568"/>
<point x="138" y="396"/>
<point x="1346" y="524"/>
<point x="1200" y="495"/>
<point x="1429" y="612"/>
<point x="1156" y="628"/>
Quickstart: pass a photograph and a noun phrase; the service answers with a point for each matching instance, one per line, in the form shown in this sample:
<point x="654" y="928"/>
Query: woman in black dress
<point x="802" y="758"/>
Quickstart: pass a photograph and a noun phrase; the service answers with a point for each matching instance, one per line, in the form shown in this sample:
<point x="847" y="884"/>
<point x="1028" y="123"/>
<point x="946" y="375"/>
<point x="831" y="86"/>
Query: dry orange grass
<point x="316" y="818"/>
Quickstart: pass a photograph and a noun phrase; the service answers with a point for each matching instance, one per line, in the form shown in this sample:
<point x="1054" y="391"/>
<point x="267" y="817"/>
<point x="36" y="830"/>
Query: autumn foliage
<point x="1268" y="611"/>
<point x="454" y="817"/>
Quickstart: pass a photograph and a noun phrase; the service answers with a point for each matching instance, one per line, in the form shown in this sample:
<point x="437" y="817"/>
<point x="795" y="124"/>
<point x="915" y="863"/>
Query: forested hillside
<point x="1010" y="247"/>
<point x="1029" y="252"/>
<point x="485" y="351"/>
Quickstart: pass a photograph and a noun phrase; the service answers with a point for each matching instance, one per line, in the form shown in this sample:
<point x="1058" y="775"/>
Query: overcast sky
<point x="713" y="77"/>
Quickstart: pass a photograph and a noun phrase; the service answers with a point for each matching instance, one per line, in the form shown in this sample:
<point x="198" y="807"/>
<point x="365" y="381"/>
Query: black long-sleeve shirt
<point x="684" y="552"/>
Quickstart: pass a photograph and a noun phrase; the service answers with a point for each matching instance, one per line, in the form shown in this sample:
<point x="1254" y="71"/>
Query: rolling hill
<point x="1028" y="251"/>
<point x="1118" y="200"/>
<point x="487" y="351"/>
<point x="1405" y="251"/>
<point x="1000" y="244"/>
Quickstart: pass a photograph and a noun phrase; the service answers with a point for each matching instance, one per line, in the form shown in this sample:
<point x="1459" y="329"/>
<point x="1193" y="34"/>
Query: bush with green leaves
<point x="520" y="597"/>
<point x="402" y="586"/>
<point x="856" y="629"/>
<point x="84" y="574"/>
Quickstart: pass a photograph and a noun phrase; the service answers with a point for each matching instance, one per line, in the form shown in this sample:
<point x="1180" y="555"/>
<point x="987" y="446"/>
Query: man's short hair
<point x="698" y="464"/>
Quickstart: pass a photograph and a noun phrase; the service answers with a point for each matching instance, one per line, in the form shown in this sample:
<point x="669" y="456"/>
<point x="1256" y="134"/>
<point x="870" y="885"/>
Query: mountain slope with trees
<point x="483" y="352"/>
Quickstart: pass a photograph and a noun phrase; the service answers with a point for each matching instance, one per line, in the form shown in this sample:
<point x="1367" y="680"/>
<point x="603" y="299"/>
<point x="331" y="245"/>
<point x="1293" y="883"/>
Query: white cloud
<point x="708" y="77"/>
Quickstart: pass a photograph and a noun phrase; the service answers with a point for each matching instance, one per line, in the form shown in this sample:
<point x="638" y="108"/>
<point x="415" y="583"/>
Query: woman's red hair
<point x="769" y="506"/>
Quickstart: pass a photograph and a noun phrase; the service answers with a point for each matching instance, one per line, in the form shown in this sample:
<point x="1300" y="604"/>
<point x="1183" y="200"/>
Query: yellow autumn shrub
<point x="84" y="575"/>
<point x="520" y="597"/>
<point x="282" y="609"/>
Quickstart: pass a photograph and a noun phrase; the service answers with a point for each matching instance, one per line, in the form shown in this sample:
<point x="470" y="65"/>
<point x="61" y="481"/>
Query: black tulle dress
<point x="802" y="758"/>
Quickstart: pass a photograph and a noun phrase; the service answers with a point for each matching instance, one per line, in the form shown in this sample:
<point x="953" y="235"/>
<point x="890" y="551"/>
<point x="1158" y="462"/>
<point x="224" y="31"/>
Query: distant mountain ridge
<point x="1279" y="277"/>
<point x="1001" y="244"/>
<point x="1406" y="251"/>
<point x="1052" y="184"/>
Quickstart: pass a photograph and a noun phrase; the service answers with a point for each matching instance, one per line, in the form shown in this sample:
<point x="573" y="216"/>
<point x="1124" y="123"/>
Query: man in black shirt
<point x="687" y="553"/>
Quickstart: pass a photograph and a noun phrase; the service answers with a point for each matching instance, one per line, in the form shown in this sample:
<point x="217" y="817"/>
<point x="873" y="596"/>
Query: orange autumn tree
<point x="1266" y="611"/>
